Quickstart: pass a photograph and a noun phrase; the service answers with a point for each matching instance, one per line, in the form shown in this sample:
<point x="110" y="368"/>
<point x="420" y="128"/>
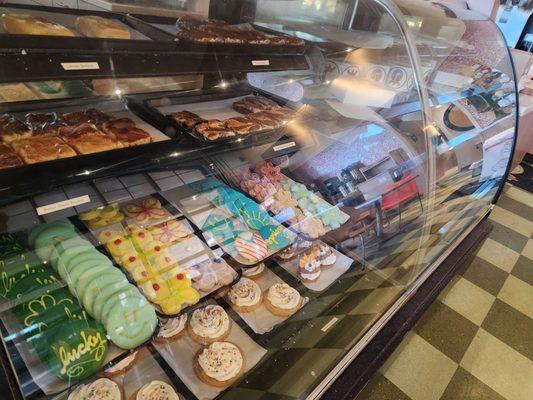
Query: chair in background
<point x="398" y="193"/>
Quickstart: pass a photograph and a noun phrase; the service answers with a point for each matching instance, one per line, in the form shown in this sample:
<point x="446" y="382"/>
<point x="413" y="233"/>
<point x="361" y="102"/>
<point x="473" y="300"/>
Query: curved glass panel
<point x="231" y="200"/>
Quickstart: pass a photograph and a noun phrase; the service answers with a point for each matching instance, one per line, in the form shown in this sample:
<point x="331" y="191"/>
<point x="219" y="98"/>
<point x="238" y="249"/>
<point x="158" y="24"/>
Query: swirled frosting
<point x="210" y="321"/>
<point x="245" y="293"/>
<point x="221" y="361"/>
<point x="249" y="272"/>
<point x="157" y="390"/>
<point x="100" y="389"/>
<point x="122" y="364"/>
<point x="173" y="326"/>
<point x="283" y="296"/>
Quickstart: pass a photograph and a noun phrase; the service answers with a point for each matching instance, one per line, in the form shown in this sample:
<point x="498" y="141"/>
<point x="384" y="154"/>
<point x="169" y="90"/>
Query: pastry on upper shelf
<point x="90" y="116"/>
<point x="125" y="131"/>
<point x="213" y="129"/>
<point x="33" y="25"/>
<point x="42" y="148"/>
<point x="220" y="364"/>
<point x="34" y="120"/>
<point x="8" y="158"/>
<point x="86" y="139"/>
<point x="12" y="129"/>
<point x="185" y="118"/>
<point x="265" y="120"/>
<point x="98" y="27"/>
<point x="242" y="125"/>
<point x="252" y="104"/>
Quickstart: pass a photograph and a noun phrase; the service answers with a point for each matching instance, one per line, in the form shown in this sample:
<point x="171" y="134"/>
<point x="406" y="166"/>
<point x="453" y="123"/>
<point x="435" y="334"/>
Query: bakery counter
<point x="158" y="8"/>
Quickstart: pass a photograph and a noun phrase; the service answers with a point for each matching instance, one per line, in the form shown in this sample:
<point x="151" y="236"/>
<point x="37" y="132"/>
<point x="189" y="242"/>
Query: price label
<point x="259" y="63"/>
<point x="61" y="205"/>
<point x="79" y="66"/>
<point x="284" y="146"/>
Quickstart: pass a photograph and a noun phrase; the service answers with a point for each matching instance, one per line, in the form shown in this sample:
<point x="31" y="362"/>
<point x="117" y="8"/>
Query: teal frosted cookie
<point x="108" y="292"/>
<point x="219" y="225"/>
<point x="333" y="218"/>
<point x="68" y="254"/>
<point x="48" y="238"/>
<point x="61" y="247"/>
<point x="90" y="254"/>
<point x="10" y="244"/>
<point x="128" y="291"/>
<point x="77" y="349"/>
<point x="254" y="217"/>
<point x="131" y="322"/>
<point x="82" y="284"/>
<point x="34" y="232"/>
<point x="275" y="236"/>
<point x="95" y="287"/>
<point x="80" y="268"/>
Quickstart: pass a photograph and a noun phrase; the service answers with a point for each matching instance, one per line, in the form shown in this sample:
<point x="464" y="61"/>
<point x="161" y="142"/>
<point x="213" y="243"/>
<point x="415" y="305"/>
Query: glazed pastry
<point x="171" y="329"/>
<point x="213" y="129"/>
<point x="170" y="231"/>
<point x="33" y="25"/>
<point x="12" y="129"/>
<point x="98" y="27"/>
<point x="149" y="209"/>
<point x="220" y="364"/>
<point x="8" y="158"/>
<point x="209" y="324"/>
<point x="245" y="296"/>
<point x="254" y="272"/>
<point x="86" y="139"/>
<point x="309" y="266"/>
<point x="251" y="247"/>
<point x="252" y="104"/>
<point x="242" y="125"/>
<point x="325" y="255"/>
<point x="123" y="366"/>
<point x="100" y="389"/>
<point x="282" y="300"/>
<point x="157" y="390"/>
<point x="42" y="148"/>
<point x="186" y="119"/>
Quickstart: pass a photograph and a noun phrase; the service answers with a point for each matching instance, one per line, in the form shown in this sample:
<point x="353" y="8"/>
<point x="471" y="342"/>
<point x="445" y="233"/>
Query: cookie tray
<point x="189" y="261"/>
<point x="143" y="36"/>
<point x="211" y="104"/>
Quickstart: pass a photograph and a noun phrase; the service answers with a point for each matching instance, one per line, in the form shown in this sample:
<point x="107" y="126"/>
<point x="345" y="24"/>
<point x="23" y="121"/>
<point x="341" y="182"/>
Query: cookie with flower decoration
<point x="170" y="231"/>
<point x="149" y="209"/>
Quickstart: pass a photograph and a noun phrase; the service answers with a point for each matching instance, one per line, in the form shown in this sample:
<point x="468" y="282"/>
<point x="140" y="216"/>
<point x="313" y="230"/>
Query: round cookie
<point x="83" y="266"/>
<point x="95" y="287"/>
<point x="275" y="236"/>
<point x="105" y="294"/>
<point x="77" y="349"/>
<point x="87" y="277"/>
<point x="45" y="241"/>
<point x="60" y="248"/>
<point x="129" y="291"/>
<point x="131" y="322"/>
<point x="65" y="258"/>
<point x="34" y="282"/>
<point x="90" y="254"/>
<point x="36" y="231"/>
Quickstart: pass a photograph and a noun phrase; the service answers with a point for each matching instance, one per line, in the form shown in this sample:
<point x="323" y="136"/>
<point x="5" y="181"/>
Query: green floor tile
<point x="523" y="269"/>
<point x="464" y="386"/>
<point x="380" y="388"/>
<point x="508" y="237"/>
<point x="511" y="327"/>
<point x="446" y="330"/>
<point x="485" y="275"/>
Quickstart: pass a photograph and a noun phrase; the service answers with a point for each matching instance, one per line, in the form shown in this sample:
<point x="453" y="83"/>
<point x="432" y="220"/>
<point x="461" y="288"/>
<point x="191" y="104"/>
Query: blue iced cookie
<point x="254" y="217"/>
<point x="219" y="225"/>
<point x="275" y="236"/>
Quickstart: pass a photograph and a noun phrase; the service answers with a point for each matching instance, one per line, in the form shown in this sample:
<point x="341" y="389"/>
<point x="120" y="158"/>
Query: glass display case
<point x="233" y="207"/>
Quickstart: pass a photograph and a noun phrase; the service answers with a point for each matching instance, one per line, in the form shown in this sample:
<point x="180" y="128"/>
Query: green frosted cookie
<point x="61" y="247"/>
<point x="86" y="278"/>
<point x="77" y="349"/>
<point x="105" y="294"/>
<point x="95" y="287"/>
<point x="73" y="275"/>
<point x="38" y="283"/>
<point x="10" y="244"/>
<point x="15" y="268"/>
<point x="90" y="254"/>
<point x="129" y="291"/>
<point x="131" y="322"/>
<point x="68" y="255"/>
<point x="34" y="232"/>
<point x="45" y="240"/>
<point x="30" y="313"/>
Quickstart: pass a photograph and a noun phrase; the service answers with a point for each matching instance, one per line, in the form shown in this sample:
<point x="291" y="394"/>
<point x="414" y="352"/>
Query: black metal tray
<point x="167" y="124"/>
<point x="156" y="40"/>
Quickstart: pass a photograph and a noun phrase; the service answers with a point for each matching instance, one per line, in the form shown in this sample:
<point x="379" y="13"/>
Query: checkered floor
<point x="475" y="342"/>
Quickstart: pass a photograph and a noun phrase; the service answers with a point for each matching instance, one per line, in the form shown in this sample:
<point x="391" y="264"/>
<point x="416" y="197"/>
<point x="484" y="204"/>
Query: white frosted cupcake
<point x="171" y="329"/>
<point x="209" y="324"/>
<point x="254" y="272"/>
<point x="245" y="296"/>
<point x="157" y="390"/>
<point x="220" y="364"/>
<point x="282" y="300"/>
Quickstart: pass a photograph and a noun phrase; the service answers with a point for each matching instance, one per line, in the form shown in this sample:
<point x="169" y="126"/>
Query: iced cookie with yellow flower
<point x="137" y="266"/>
<point x="118" y="245"/>
<point x="142" y="238"/>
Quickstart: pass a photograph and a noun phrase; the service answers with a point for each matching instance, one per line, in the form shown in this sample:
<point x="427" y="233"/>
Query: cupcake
<point x="171" y="329"/>
<point x="157" y="390"/>
<point x="209" y="324"/>
<point x="254" y="272"/>
<point x="220" y="364"/>
<point x="282" y="300"/>
<point x="309" y="266"/>
<point x="123" y="366"/>
<point x="245" y="296"/>
<point x="325" y="255"/>
<point x="100" y="389"/>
